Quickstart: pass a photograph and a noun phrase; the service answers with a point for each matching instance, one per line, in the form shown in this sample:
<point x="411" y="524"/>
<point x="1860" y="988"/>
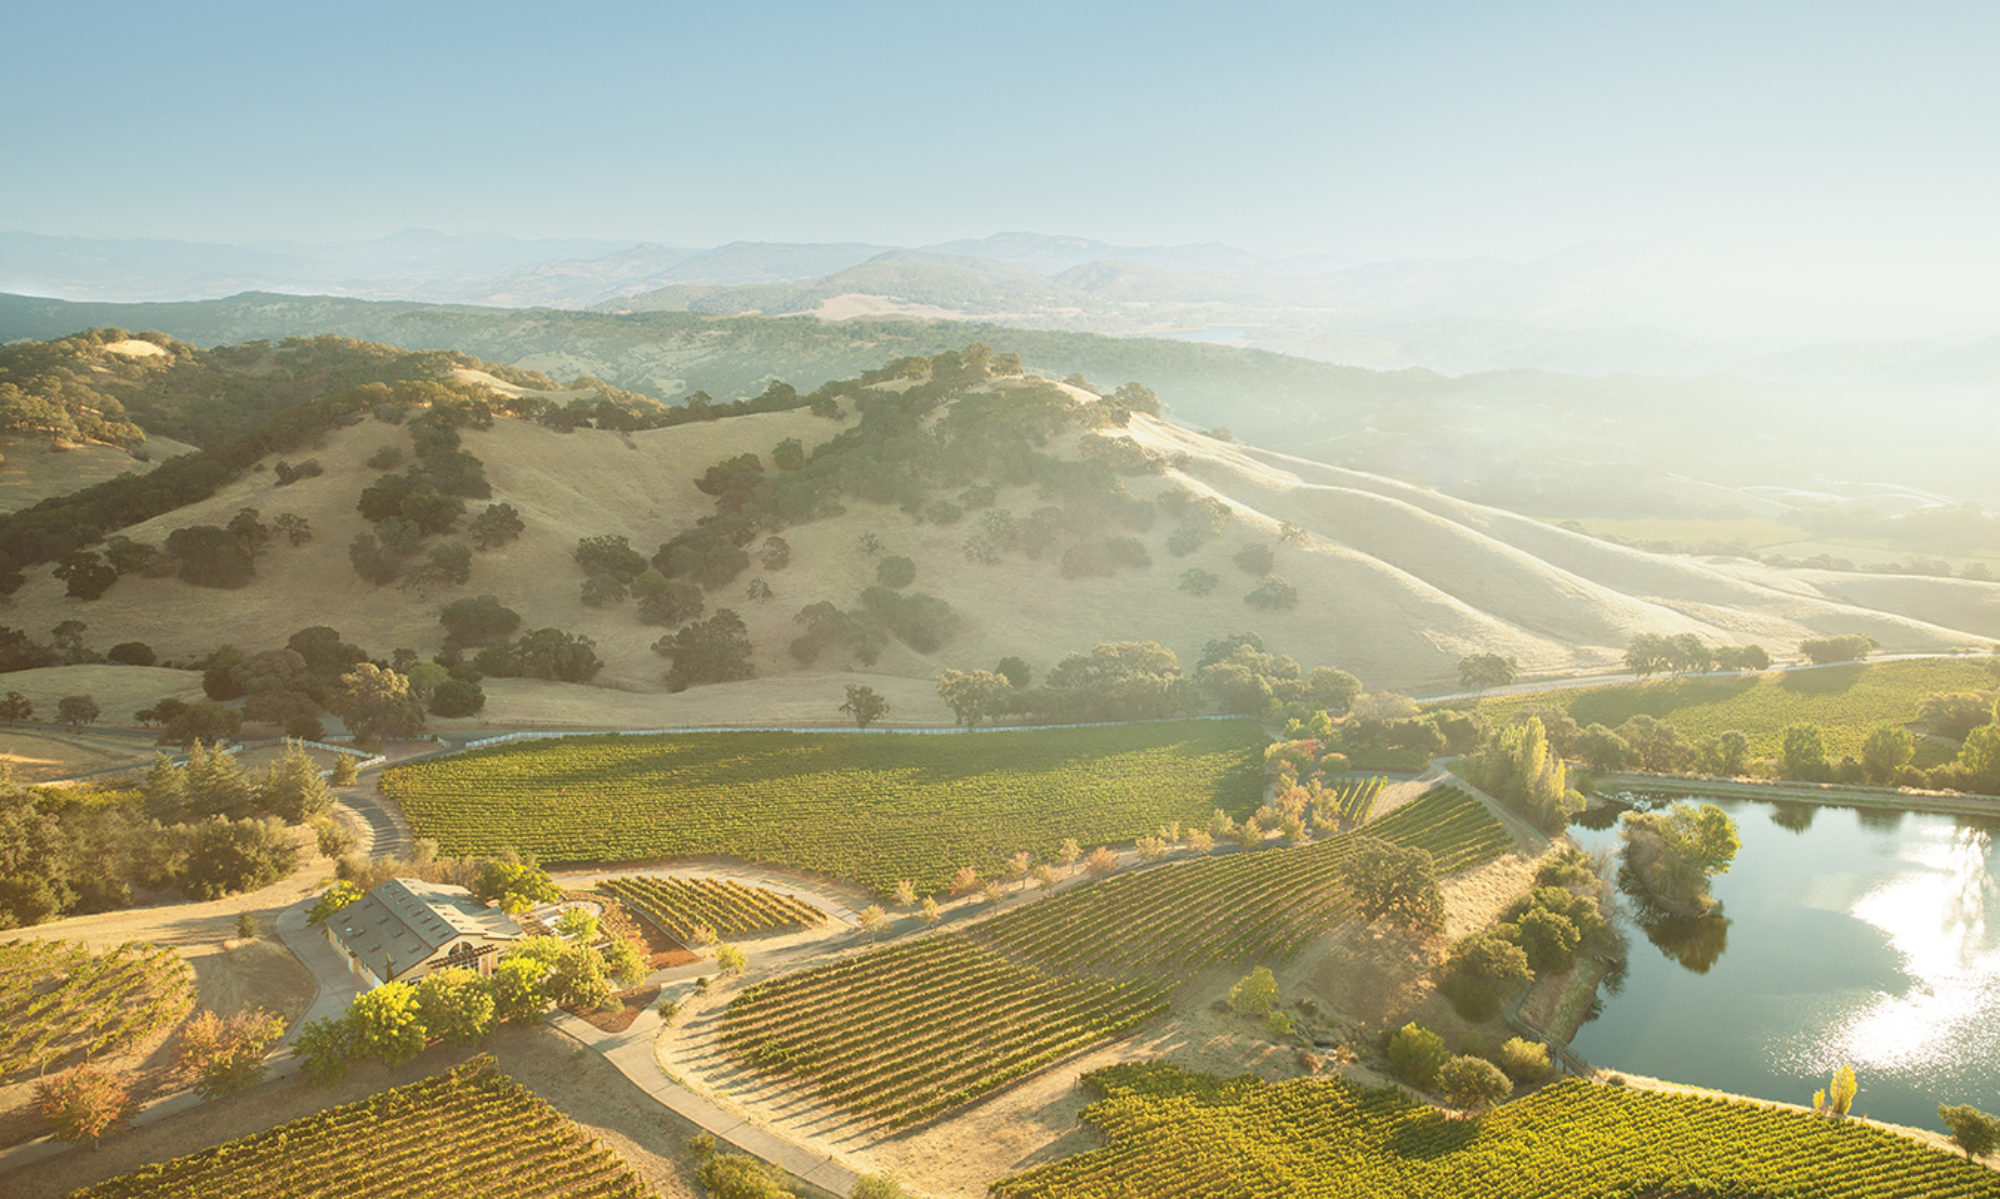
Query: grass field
<point x="469" y="1133"/>
<point x="1756" y="531"/>
<point x="1846" y="701"/>
<point x="1174" y="1133"/>
<point x="59" y="1003"/>
<point x="869" y="809"/>
<point x="908" y="1031"/>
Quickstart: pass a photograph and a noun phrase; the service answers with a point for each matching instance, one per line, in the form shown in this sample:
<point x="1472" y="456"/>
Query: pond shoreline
<point x="1942" y="803"/>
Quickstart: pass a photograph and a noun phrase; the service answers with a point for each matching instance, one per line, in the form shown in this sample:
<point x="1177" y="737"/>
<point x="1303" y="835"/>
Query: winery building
<point x="406" y="928"/>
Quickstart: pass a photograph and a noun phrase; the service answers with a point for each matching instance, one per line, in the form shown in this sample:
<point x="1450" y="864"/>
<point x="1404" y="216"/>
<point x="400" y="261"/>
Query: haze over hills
<point x="1597" y="309"/>
<point x="1550" y="444"/>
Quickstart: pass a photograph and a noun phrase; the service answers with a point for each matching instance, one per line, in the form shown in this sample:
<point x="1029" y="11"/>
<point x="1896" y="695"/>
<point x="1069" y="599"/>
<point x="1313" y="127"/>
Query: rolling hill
<point x="1550" y="444"/>
<point x="1395" y="582"/>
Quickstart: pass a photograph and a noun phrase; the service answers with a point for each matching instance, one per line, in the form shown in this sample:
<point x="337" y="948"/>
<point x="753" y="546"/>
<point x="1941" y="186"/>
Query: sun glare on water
<point x="1942" y="917"/>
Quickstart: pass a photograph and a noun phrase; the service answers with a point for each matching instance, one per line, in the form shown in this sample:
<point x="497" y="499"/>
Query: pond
<point x="1865" y="937"/>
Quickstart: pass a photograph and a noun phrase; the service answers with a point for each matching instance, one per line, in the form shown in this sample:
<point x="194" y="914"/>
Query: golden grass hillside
<point x="1396" y="582"/>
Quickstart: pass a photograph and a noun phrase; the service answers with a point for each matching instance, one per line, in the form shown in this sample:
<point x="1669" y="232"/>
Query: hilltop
<point x="1109" y="512"/>
<point x="1551" y="444"/>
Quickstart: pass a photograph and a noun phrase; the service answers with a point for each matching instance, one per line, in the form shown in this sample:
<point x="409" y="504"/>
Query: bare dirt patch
<point x="618" y="1019"/>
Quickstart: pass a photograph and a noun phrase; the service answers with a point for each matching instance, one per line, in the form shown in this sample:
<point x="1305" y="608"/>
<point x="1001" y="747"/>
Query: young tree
<point x="1473" y="1084"/>
<point x="930" y="913"/>
<point x="1069" y="854"/>
<point x="873" y="920"/>
<point x="624" y="961"/>
<point x="729" y="959"/>
<point x="906" y="893"/>
<point x="456" y="1005"/>
<point x="388" y="1023"/>
<point x="1017" y="868"/>
<point x="864" y="705"/>
<point x="77" y="711"/>
<point x="1972" y="1130"/>
<point x="1100" y="862"/>
<point x="223" y="1057"/>
<point x="1842" y="1090"/>
<point x="83" y="1104"/>
<point x="345" y="773"/>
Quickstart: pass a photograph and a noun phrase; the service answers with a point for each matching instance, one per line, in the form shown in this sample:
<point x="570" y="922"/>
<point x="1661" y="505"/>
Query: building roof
<point x="406" y="920"/>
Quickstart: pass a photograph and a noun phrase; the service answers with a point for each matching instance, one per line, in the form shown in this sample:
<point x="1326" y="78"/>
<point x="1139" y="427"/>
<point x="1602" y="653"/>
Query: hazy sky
<point x="1818" y="131"/>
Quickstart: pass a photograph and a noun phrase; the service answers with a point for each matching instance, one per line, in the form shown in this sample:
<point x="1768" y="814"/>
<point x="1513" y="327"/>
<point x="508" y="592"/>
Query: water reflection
<point x="1863" y="937"/>
<point x="1881" y="820"/>
<point x="1793" y="816"/>
<point x="1696" y="942"/>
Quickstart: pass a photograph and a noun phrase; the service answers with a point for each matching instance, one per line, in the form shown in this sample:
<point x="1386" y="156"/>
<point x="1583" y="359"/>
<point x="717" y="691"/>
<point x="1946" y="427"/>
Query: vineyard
<point x="1846" y="701"/>
<point x="1234" y="908"/>
<point x="723" y="906"/>
<point x="906" y="1032"/>
<point x="58" y="1000"/>
<point x="470" y="1133"/>
<point x="1352" y="799"/>
<point x="872" y="810"/>
<point x="1175" y="1133"/>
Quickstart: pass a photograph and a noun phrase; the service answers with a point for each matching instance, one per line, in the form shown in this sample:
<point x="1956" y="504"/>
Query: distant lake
<point x="1871" y="938"/>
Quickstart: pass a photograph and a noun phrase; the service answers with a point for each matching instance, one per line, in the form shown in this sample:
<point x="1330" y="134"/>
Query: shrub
<point x="386" y="1022"/>
<point x="895" y="571"/>
<point x="1480" y="973"/>
<point x="1416" y="1054"/>
<point x="740" y="1176"/>
<point x="1524" y="1061"/>
<point x="1255" y="994"/>
<point x="457" y="697"/>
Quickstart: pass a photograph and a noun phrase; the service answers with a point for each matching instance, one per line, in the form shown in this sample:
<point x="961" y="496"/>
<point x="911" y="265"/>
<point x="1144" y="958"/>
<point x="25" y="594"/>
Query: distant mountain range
<point x="1594" y="310"/>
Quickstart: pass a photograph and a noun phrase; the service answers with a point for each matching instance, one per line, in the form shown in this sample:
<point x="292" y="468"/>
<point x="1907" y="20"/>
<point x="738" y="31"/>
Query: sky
<point x="1834" y="141"/>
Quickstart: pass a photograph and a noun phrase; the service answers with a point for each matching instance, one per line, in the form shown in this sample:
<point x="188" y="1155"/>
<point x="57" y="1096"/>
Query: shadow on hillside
<point x="1832" y="681"/>
<point x="1613" y="706"/>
